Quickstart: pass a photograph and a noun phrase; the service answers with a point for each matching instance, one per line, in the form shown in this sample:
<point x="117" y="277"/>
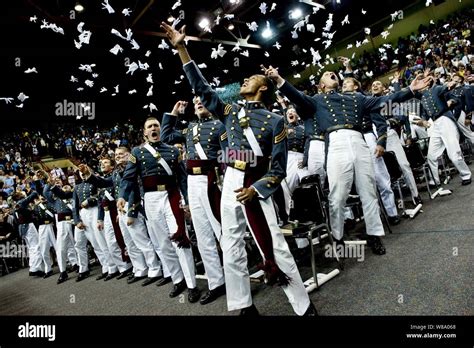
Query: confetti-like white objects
<point x="31" y="70"/>
<point x="263" y="8"/>
<point x="116" y="49"/>
<point x="132" y="68"/>
<point x="176" y="5"/>
<point x="126" y="12"/>
<point x="163" y="45"/>
<point x="7" y="100"/>
<point x="106" y="6"/>
<point x="252" y="26"/>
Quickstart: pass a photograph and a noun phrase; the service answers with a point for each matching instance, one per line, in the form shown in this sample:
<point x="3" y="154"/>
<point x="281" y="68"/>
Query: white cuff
<point x="258" y="193"/>
<point x="191" y="61"/>
<point x="280" y="84"/>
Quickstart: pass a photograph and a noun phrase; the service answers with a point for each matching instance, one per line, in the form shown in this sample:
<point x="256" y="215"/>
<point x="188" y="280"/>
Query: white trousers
<point x="445" y="135"/>
<point x="294" y="174"/>
<point x="31" y="238"/>
<point x="44" y="234"/>
<point x="349" y="159"/>
<point x="207" y="229"/>
<point x="382" y="177"/>
<point x="316" y="158"/>
<point x="96" y="238"/>
<point x="394" y="144"/>
<point x="112" y="246"/>
<point x="468" y="133"/>
<point x="65" y="245"/>
<point x="139" y="247"/>
<point x="161" y="226"/>
<point x="234" y="222"/>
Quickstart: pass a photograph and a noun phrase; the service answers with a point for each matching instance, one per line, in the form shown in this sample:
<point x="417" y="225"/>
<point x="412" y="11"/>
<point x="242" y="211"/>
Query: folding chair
<point x="418" y="163"/>
<point x="309" y="218"/>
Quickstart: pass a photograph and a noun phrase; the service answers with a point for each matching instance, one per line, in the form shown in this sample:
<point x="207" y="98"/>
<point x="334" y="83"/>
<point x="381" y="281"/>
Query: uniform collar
<point x="205" y="119"/>
<point x="252" y="105"/>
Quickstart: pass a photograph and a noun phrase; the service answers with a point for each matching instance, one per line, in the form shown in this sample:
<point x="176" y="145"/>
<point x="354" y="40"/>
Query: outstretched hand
<point x="272" y="73"/>
<point x="420" y="83"/>
<point x="175" y="37"/>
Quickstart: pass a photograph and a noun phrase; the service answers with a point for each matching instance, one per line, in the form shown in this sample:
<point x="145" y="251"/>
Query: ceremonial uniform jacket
<point x="268" y="128"/>
<point x="83" y="192"/>
<point x="142" y="164"/>
<point x="208" y="132"/>
<point x="335" y="110"/>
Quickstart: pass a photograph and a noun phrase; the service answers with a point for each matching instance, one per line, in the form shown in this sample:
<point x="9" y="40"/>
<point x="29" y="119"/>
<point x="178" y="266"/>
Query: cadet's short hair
<point x="355" y="82"/>
<point x="150" y="118"/>
<point x="124" y="148"/>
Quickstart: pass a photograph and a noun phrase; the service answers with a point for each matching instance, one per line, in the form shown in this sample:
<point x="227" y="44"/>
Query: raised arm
<point x="305" y="103"/>
<point x="201" y="87"/>
<point x="168" y="123"/>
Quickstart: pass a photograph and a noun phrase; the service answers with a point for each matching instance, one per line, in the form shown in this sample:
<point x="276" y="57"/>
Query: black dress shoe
<point x="311" y="311"/>
<point x="417" y="200"/>
<point x="466" y="182"/>
<point x="130" y="276"/>
<point x="394" y="220"/>
<point x="212" y="295"/>
<point x="134" y="279"/>
<point x="62" y="277"/>
<point x="74" y="268"/>
<point x="37" y="274"/>
<point x="249" y="311"/>
<point x="194" y="295"/>
<point x="163" y="281"/>
<point x="150" y="280"/>
<point x="178" y="288"/>
<point x="82" y="276"/>
<point x="102" y="276"/>
<point x="376" y="244"/>
<point x="111" y="276"/>
<point x="125" y="273"/>
<point x="47" y="275"/>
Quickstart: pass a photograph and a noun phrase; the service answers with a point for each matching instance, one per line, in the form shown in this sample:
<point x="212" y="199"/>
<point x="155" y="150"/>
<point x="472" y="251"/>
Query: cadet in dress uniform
<point x="202" y="150"/>
<point x="28" y="230"/>
<point x="382" y="177"/>
<point x="296" y="148"/>
<point x="85" y="215"/>
<point x="394" y="144"/>
<point x="462" y="96"/>
<point x="108" y="224"/>
<point x="158" y="167"/>
<point x="139" y="246"/>
<point x="256" y="142"/>
<point x="45" y="221"/>
<point x="64" y="228"/>
<point x="340" y="117"/>
<point x="445" y="134"/>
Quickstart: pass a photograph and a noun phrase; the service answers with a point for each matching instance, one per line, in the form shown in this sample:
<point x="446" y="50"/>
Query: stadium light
<point x="267" y="33"/>
<point x="78" y="7"/>
<point x="296" y="13"/>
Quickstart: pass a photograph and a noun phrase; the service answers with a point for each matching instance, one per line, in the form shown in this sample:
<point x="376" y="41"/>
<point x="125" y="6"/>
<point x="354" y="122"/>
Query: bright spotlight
<point x="267" y="33"/>
<point x="204" y="23"/>
<point x="234" y="2"/>
<point x="296" y="13"/>
<point x="79" y="7"/>
<point x="231" y="26"/>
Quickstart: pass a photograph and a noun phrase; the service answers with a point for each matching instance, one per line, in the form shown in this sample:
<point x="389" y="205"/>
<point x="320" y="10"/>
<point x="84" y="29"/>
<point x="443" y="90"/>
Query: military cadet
<point x="296" y="148"/>
<point x="85" y="215"/>
<point x="393" y="141"/>
<point x="382" y="177"/>
<point x="108" y="224"/>
<point x="445" y="134"/>
<point x="139" y="246"/>
<point x="28" y="230"/>
<point x="45" y="221"/>
<point x="62" y="207"/>
<point x="340" y="117"/>
<point x="202" y="150"/>
<point x="158" y="167"/>
<point x="461" y="96"/>
<point x="256" y="142"/>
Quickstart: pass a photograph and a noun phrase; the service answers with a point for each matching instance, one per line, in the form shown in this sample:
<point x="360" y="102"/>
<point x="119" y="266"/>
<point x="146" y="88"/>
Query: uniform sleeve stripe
<point x="227" y="109"/>
<point x="281" y="136"/>
<point x="224" y="136"/>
